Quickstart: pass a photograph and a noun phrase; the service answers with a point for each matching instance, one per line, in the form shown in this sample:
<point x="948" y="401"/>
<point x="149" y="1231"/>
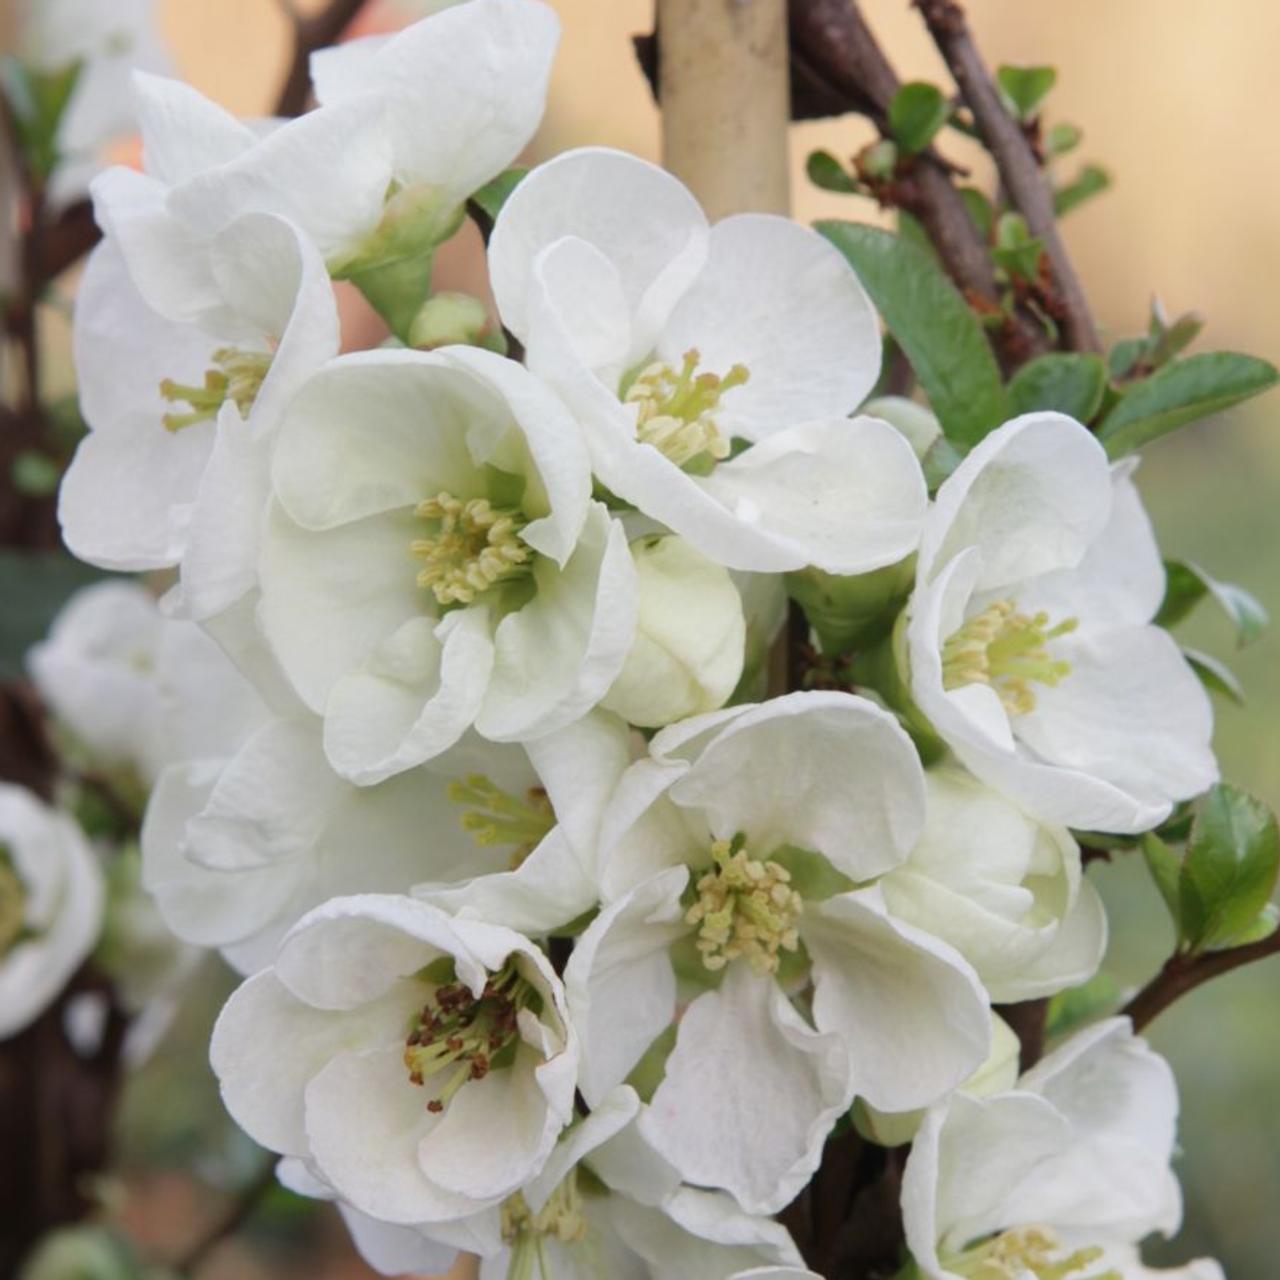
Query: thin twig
<point x="833" y="48"/>
<point x="239" y="1212"/>
<point x="1182" y="973"/>
<point x="1019" y="170"/>
<point x="309" y="34"/>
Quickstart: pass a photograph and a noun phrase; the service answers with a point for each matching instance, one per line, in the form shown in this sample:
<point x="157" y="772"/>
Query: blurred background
<point x="1177" y="102"/>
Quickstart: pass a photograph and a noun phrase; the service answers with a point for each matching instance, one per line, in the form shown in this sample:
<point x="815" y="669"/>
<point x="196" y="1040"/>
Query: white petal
<point x="911" y="1013"/>
<point x="845" y="495"/>
<point x="555" y="658"/>
<point x="183" y="132"/>
<point x="749" y="1095"/>
<point x="395" y="1251"/>
<point x="641" y="218"/>
<point x="619" y="983"/>
<point x="778" y="298"/>
<point x="268" y="1045"/>
<point x="415" y="697"/>
<point x="1031" y="497"/>
<point x="829" y="772"/>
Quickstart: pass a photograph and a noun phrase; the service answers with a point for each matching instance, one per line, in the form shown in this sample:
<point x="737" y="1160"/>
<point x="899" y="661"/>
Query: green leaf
<point x="1024" y="89"/>
<point x="1216" y="676"/>
<point x="1071" y="384"/>
<point x="1016" y="249"/>
<point x="1091" y="181"/>
<point x="1266" y="923"/>
<point x="493" y="195"/>
<point x="38" y="100"/>
<point x="1062" y="138"/>
<point x="933" y="324"/>
<point x="1080" y="1005"/>
<point x="917" y="112"/>
<point x="1183" y="392"/>
<point x="1230" y="868"/>
<point x="981" y="213"/>
<point x="827" y="172"/>
<point x="939" y="461"/>
<point x="1186" y="584"/>
<point x="1166" y="869"/>
<point x="1125" y="355"/>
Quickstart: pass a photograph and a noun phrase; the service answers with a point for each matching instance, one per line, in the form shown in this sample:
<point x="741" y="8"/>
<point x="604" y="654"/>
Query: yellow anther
<point x="677" y="408"/>
<point x="13" y="904"/>
<point x="498" y="818"/>
<point x="745" y="908"/>
<point x="1029" y="1251"/>
<point x="475" y="547"/>
<point x="1007" y="650"/>
<point x="236" y="376"/>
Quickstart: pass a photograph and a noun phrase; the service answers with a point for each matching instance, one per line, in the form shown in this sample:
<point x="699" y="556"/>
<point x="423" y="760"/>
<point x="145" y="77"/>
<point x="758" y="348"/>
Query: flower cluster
<point x="564" y="945"/>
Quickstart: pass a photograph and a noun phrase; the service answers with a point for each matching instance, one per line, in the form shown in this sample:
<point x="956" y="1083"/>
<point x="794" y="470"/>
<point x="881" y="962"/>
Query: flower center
<point x="1034" y="1251"/>
<point x="474" y="547"/>
<point x="1007" y="650"/>
<point x="678" y="408"/>
<point x="499" y="818"/>
<point x="236" y="375"/>
<point x="471" y="1034"/>
<point x="526" y="1232"/>
<point x="13" y="904"/>
<point x="745" y="908"/>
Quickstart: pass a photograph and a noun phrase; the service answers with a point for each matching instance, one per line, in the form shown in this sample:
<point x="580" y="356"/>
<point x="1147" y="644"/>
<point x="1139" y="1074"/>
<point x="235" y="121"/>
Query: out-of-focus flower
<point x="51" y="902"/>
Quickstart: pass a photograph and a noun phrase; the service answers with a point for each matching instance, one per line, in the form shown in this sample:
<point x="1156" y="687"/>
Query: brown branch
<point x="1015" y="158"/>
<point x="227" y="1224"/>
<point x="1183" y="973"/>
<point x="832" y="47"/>
<point x="309" y="34"/>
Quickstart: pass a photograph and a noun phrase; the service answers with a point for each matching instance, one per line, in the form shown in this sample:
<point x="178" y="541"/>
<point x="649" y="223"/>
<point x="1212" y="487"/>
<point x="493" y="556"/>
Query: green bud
<point x="449" y="318"/>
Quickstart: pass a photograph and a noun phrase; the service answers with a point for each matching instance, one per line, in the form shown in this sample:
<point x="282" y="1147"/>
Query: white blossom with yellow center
<point x="1056" y="1178"/>
<point x="438" y="543"/>
<point x="413" y="1040"/>
<point x="1029" y="644"/>
<point x="720" y="862"/>
<point x="713" y="369"/>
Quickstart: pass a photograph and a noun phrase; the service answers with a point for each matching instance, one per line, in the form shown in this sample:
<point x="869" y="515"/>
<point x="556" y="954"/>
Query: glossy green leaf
<point x="1091" y="181"/>
<point x="1191" y="389"/>
<point x="917" y="112"/>
<point x="1186" y="584"/>
<point x="1024" y="89"/>
<point x="1230" y="867"/>
<point x="933" y="324"/>
<point x="827" y="172"/>
<point x="1215" y="675"/>
<point x="1066" y="383"/>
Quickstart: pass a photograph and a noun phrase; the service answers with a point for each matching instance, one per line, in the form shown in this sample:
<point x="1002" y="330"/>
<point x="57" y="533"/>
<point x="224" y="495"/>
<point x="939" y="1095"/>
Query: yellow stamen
<point x="499" y="818"/>
<point x="237" y="376"/>
<point x="1007" y="650"/>
<point x="475" y="547"/>
<point x="745" y="908"/>
<point x="13" y="904"/>
<point x="1028" y="1251"/>
<point x="677" y="408"/>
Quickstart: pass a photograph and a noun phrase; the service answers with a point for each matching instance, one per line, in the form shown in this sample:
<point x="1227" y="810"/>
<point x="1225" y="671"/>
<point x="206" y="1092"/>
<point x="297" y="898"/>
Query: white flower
<point x="109" y="41"/>
<point x="669" y="339"/>
<point x="690" y="642"/>
<point x="604" y="1204"/>
<point x="51" y="900"/>
<point x="1058" y="1178"/>
<point x="433" y="559"/>
<point x="739" y="843"/>
<point x="137" y="691"/>
<point x="182" y="413"/>
<point x="314" y="1062"/>
<point x="408" y="128"/>
<point x="1030" y="646"/>
<point x="1006" y="891"/>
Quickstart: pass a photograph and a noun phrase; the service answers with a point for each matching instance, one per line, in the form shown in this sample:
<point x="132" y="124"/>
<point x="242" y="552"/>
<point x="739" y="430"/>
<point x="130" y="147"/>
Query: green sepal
<point x="1215" y="675"/>
<point x="396" y="290"/>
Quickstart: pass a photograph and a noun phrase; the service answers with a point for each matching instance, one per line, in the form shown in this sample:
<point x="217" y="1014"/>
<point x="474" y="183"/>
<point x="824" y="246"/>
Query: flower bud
<point x="446" y="319"/>
<point x="918" y="424"/>
<point x="690" y="636"/>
